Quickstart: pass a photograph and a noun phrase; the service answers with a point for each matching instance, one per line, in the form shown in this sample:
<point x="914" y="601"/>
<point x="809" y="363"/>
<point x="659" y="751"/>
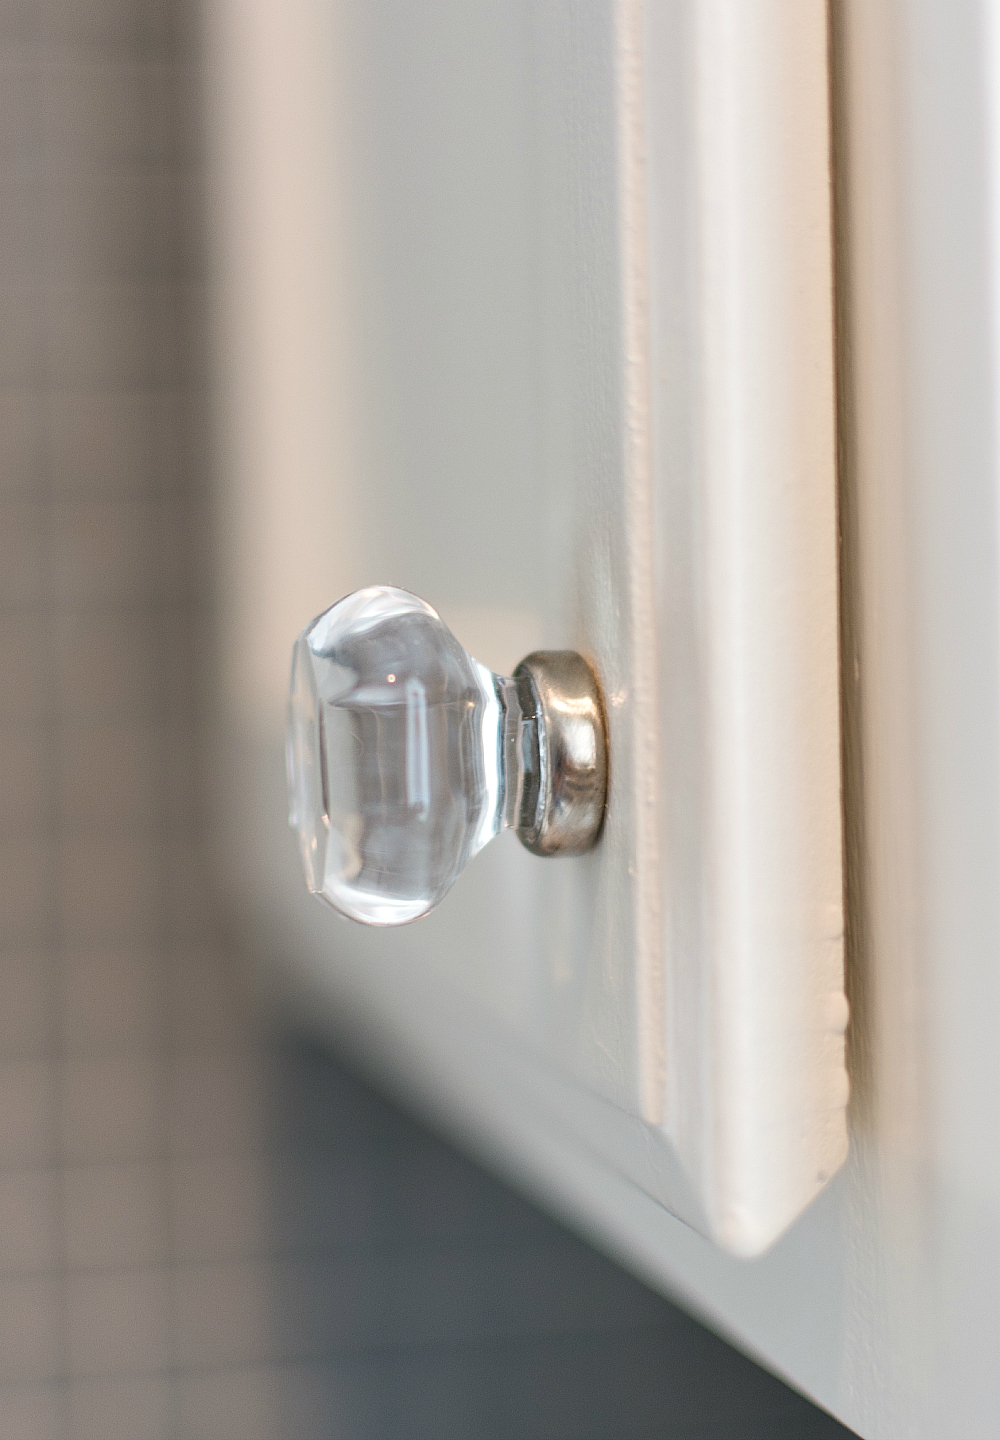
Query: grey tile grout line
<point x="167" y="1079"/>
<point x="489" y="1345"/>
<point x="164" y="996"/>
<point x="295" y="1258"/>
<point x="56" y="944"/>
<point x="179" y="368"/>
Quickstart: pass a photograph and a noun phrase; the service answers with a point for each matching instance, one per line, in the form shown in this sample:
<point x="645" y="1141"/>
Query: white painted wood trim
<point x="641" y="534"/>
<point x="756" y="1086"/>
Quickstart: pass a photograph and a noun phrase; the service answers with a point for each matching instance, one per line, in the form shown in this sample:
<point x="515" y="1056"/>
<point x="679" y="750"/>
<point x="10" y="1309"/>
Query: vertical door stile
<point x="640" y="533"/>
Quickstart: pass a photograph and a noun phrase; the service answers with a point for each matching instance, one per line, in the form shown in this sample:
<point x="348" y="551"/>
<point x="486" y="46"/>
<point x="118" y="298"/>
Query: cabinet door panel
<point x="527" y="308"/>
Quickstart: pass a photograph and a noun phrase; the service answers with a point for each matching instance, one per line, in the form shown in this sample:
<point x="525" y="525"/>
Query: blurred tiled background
<point x="208" y="1230"/>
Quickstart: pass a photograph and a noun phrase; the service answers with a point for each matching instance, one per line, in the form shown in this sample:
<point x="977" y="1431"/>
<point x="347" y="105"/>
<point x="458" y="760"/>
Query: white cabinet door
<point x="527" y="308"/>
<point x="530" y="311"/>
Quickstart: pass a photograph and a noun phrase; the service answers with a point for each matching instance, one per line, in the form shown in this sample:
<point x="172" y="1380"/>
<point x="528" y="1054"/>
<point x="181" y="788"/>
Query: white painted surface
<point x="518" y="138"/>
<point x="747" y="615"/>
<point x="882" y="1300"/>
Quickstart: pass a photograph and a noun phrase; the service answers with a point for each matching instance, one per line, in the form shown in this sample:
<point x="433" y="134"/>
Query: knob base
<point x="572" y="754"/>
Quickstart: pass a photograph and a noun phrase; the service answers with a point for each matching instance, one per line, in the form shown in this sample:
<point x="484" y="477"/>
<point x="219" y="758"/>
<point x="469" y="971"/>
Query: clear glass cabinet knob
<point x="406" y="756"/>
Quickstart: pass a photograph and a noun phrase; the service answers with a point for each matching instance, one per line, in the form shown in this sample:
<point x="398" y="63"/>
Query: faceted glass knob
<point x="406" y="756"/>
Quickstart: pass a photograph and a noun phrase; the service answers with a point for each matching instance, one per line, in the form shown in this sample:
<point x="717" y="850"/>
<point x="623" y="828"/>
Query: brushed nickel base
<point x="572" y="753"/>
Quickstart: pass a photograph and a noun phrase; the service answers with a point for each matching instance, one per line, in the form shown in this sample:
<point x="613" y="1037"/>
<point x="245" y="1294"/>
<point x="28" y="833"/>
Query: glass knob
<point x="406" y="756"/>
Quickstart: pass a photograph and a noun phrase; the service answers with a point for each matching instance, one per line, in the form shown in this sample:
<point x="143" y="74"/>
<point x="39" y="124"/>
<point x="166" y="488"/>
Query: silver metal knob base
<point x="572" y="754"/>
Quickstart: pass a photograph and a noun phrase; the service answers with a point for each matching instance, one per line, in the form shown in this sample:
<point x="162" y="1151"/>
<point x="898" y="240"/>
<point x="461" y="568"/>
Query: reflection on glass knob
<point x="405" y="755"/>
